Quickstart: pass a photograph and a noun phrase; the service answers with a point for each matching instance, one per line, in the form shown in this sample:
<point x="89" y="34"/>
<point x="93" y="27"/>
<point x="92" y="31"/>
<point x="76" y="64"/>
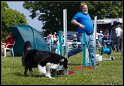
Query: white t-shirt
<point x="97" y="34"/>
<point x="118" y="31"/>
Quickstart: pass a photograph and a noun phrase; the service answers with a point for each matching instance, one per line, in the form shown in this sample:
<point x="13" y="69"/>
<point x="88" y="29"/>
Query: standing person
<point x="85" y="25"/>
<point x="101" y="34"/>
<point x="118" y="31"/>
<point x="97" y="40"/>
<point x="55" y="42"/>
<point x="55" y="37"/>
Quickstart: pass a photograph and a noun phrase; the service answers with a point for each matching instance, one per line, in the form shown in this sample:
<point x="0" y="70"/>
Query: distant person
<point x="55" y="37"/>
<point x="49" y="38"/>
<point x="105" y="36"/>
<point x="97" y="40"/>
<point x="119" y="32"/>
<point x="9" y="40"/>
<point x="55" y="42"/>
<point x="101" y="34"/>
<point x="113" y="37"/>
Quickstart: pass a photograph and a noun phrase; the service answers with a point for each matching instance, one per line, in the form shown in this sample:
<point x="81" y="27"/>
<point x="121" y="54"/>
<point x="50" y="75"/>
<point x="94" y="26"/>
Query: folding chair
<point x="9" y="49"/>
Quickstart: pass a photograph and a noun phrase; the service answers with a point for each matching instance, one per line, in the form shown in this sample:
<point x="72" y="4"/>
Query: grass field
<point x="107" y="73"/>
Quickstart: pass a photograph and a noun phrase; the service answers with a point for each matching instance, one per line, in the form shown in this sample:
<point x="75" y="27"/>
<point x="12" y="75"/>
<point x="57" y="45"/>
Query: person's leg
<point x="75" y="50"/>
<point x="118" y="44"/>
<point x="79" y="48"/>
<point x="2" y="47"/>
<point x="122" y="45"/>
<point x="54" y="47"/>
<point x="92" y="49"/>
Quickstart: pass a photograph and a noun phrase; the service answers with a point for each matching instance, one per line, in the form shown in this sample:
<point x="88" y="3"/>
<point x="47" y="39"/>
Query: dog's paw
<point x="32" y="74"/>
<point x="25" y="75"/>
<point x="48" y="76"/>
<point x="51" y="77"/>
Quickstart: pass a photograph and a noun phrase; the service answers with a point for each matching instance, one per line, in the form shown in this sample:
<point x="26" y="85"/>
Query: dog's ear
<point x="64" y="62"/>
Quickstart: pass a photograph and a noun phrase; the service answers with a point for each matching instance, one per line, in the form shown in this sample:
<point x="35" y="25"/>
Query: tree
<point x="105" y="9"/>
<point x="51" y="13"/>
<point x="10" y="17"/>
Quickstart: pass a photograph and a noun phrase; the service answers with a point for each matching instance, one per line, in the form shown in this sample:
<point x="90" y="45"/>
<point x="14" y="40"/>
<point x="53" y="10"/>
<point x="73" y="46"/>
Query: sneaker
<point x="97" y="64"/>
<point x="112" y="58"/>
<point x="94" y="65"/>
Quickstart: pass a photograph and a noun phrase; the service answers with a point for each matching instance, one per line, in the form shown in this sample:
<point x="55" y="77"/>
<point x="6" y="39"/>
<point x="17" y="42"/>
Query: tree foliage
<point x="51" y="13"/>
<point x="10" y="17"/>
<point x="105" y="9"/>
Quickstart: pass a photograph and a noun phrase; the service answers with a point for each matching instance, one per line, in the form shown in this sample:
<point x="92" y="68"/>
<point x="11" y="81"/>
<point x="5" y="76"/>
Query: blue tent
<point x="23" y="33"/>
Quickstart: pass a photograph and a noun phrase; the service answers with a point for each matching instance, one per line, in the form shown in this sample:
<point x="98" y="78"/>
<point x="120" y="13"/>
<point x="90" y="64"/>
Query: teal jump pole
<point x="86" y="60"/>
<point x="60" y="42"/>
<point x="50" y="46"/>
<point x="84" y="52"/>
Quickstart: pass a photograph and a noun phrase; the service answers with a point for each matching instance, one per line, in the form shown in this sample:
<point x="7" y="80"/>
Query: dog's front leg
<point x="48" y="74"/>
<point x="25" y="72"/>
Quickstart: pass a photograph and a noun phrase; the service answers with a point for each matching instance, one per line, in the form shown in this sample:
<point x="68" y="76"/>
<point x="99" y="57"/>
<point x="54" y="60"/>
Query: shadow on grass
<point x="74" y="64"/>
<point x="20" y="74"/>
<point x="38" y="76"/>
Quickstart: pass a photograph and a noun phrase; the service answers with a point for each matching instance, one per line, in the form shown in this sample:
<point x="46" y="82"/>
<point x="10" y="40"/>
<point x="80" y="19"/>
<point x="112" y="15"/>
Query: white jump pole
<point x="97" y="56"/>
<point x="95" y="33"/>
<point x="65" y="31"/>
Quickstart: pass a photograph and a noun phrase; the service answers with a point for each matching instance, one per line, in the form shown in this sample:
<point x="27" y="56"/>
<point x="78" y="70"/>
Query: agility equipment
<point x="55" y="71"/>
<point x="107" y="50"/>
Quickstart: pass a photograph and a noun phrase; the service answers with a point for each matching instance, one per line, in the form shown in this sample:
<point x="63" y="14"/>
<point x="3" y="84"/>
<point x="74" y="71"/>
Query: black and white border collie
<point x="43" y="60"/>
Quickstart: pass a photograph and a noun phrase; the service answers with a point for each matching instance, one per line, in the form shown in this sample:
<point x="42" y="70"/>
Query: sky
<point x="18" y="5"/>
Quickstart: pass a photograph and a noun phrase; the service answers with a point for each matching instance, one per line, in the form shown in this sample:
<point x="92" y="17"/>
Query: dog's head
<point x="64" y="63"/>
<point x="27" y="45"/>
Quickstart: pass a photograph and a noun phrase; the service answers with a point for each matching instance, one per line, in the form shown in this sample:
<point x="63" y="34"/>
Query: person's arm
<point x="7" y="37"/>
<point x="77" y="23"/>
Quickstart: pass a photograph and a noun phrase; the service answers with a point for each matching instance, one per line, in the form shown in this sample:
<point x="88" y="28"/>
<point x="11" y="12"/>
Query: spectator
<point x="9" y="40"/>
<point x="97" y="40"/>
<point x="101" y="34"/>
<point x="105" y="36"/>
<point x="55" y="42"/>
<point x="49" y="37"/>
<point x="119" y="32"/>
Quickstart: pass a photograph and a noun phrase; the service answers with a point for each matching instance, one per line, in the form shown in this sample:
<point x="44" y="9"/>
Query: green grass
<point x="107" y="73"/>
